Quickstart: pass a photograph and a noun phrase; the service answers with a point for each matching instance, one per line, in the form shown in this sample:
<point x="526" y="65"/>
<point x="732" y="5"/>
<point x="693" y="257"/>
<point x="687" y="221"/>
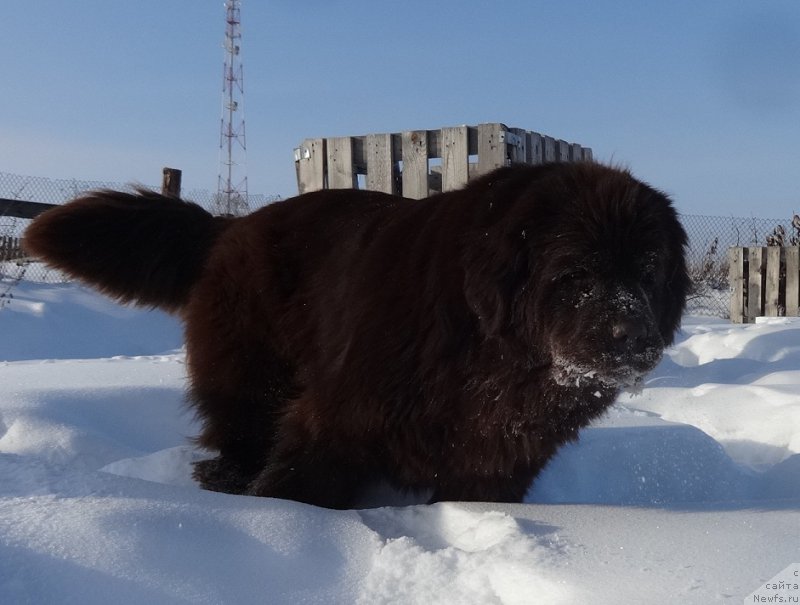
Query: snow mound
<point x="686" y="493"/>
<point x="67" y="321"/>
<point x="447" y="554"/>
<point x="172" y="466"/>
<point x="738" y="384"/>
<point x="644" y="466"/>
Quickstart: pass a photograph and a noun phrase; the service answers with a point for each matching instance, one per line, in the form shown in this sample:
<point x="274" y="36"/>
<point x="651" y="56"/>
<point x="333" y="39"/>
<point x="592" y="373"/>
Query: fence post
<point x="340" y="163"/>
<point x="310" y="164"/>
<point x="380" y="163"/>
<point x="455" y="158"/>
<point x="414" y="145"/>
<point x="535" y="150"/>
<point x="792" y="281"/>
<point x="549" y="149"/>
<point x="736" y="280"/>
<point x="562" y="151"/>
<point x="171" y="182"/>
<point x="772" y="276"/>
<point x="755" y="304"/>
<point x="491" y="147"/>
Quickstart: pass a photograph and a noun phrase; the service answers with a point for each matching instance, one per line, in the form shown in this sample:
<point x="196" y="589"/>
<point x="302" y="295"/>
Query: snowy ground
<point x="687" y="493"/>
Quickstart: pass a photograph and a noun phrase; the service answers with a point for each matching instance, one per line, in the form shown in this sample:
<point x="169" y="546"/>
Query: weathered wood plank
<point x="736" y="280"/>
<point x="455" y="158"/>
<point x="535" y="153"/>
<point x="310" y="165"/>
<point x="792" y="281"/>
<point x="517" y="147"/>
<point x="9" y="248"/>
<point x="562" y="151"/>
<point x="435" y="142"/>
<point x="171" y="182"/>
<point x="374" y="160"/>
<point x="22" y="209"/>
<point x="415" y="164"/>
<point x="549" y="147"/>
<point x="491" y="147"/>
<point x="755" y="305"/>
<point x="380" y="169"/>
<point x="772" y="276"/>
<point x="340" y="163"/>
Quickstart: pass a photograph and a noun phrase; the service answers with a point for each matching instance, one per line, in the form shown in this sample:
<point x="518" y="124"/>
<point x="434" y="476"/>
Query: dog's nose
<point x="629" y="335"/>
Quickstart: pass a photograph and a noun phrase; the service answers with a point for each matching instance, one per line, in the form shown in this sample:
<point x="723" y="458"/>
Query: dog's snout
<point x="629" y="335"/>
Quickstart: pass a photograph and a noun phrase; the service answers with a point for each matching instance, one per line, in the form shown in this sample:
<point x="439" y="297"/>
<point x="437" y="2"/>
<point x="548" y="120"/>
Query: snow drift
<point x="688" y="492"/>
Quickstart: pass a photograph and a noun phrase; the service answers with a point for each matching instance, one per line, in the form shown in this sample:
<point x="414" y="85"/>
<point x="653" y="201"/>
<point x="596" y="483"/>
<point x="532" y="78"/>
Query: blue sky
<point x="699" y="98"/>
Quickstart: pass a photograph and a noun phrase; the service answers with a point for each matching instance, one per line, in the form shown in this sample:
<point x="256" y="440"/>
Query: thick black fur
<point x="144" y="248"/>
<point x="342" y="337"/>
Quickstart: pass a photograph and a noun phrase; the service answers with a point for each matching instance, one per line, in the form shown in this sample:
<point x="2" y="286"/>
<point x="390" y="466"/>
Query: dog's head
<point x="587" y="273"/>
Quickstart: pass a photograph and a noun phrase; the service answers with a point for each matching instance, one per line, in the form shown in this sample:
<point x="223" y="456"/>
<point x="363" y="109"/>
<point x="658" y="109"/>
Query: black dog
<point x="341" y="337"/>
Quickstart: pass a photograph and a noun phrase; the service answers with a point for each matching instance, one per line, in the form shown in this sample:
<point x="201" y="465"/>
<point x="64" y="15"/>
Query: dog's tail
<point x="143" y="248"/>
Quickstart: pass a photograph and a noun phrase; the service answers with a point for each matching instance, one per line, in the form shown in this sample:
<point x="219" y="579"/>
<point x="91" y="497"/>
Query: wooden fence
<point x="418" y="163"/>
<point x="765" y="281"/>
<point x="10" y="248"/>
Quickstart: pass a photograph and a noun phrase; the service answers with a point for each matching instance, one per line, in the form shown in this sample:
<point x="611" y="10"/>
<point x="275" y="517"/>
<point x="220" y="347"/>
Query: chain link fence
<point x="709" y="236"/>
<point x="59" y="191"/>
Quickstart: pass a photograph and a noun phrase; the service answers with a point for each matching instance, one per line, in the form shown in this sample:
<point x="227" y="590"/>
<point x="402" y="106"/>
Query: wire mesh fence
<point x="709" y="236"/>
<point x="59" y="191"/>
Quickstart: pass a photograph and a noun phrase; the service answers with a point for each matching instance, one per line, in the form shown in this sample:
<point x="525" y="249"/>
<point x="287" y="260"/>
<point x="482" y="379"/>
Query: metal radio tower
<point x="231" y="198"/>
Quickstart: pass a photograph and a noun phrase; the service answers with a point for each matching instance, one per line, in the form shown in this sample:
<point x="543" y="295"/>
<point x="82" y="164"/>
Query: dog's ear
<point x="676" y="290"/>
<point x="495" y="267"/>
<point x="677" y="282"/>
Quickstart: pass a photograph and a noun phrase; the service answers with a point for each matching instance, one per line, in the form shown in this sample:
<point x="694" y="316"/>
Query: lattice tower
<point x="231" y="198"/>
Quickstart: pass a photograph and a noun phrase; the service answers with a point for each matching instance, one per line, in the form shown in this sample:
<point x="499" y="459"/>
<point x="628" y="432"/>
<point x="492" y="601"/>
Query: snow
<point x="688" y="492"/>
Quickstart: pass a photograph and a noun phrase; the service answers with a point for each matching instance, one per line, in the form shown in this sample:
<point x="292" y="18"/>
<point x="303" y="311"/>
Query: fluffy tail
<point x="143" y="248"/>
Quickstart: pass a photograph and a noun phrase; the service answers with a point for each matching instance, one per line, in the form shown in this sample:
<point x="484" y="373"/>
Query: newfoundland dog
<point x="344" y="337"/>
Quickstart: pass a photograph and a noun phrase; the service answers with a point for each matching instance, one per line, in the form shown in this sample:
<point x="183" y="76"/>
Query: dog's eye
<point x="571" y="275"/>
<point x="648" y="281"/>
